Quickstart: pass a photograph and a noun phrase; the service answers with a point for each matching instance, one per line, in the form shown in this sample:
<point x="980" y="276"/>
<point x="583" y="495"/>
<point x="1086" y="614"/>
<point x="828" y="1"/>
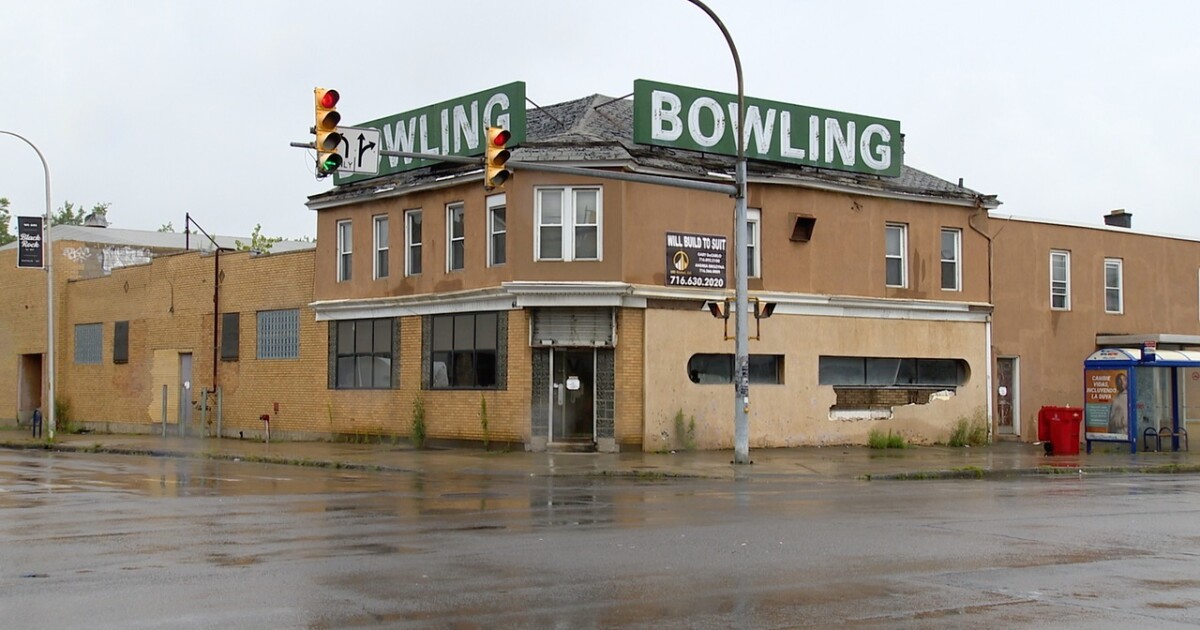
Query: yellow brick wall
<point x="630" y="377"/>
<point x="23" y="318"/>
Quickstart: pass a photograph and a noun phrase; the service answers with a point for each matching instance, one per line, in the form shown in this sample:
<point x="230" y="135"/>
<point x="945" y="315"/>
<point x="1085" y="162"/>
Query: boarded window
<point x="230" y="337"/>
<point x="121" y="342"/>
<point x="717" y="369"/>
<point x="89" y="343"/>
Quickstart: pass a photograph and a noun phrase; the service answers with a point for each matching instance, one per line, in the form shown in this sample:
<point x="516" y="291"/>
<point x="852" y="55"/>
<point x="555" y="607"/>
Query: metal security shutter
<point x="589" y="327"/>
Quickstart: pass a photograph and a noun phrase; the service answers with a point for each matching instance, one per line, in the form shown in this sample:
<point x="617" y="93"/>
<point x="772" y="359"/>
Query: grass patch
<point x="878" y="439"/>
<point x="417" y="436"/>
<point x="969" y="432"/>
<point x="685" y="430"/>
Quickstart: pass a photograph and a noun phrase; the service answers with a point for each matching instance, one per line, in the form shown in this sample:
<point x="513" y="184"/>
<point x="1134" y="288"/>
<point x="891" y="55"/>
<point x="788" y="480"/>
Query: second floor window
<point x="1114" y="298"/>
<point x="456" y="237"/>
<point x="896" y="257"/>
<point x="497" y="230"/>
<point x="951" y="255"/>
<point x="753" y="251"/>
<point x="1060" y="280"/>
<point x="568" y="224"/>
<point x="343" y="250"/>
<point x="412" y="243"/>
<point x="381" y="246"/>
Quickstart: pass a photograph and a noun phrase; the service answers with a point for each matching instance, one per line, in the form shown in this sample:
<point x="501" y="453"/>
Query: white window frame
<point x="412" y="249"/>
<point x="956" y="260"/>
<point x="568" y="225"/>
<point x="496" y="203"/>
<point x="753" y="242"/>
<point x="451" y="239"/>
<point x="1066" y="282"/>
<point x="1118" y="264"/>
<point x="902" y="256"/>
<point x="381" y="245"/>
<point x="345" y="250"/>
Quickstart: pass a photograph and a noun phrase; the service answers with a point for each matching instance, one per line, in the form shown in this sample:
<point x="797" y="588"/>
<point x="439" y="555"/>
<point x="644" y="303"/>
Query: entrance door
<point x="1007" y="410"/>
<point x="572" y="395"/>
<point x="185" y="391"/>
<point x="29" y="388"/>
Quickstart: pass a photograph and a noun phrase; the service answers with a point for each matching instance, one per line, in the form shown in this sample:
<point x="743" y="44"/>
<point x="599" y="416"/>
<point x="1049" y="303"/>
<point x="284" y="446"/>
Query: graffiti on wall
<point x="115" y="257"/>
<point x="109" y="258"/>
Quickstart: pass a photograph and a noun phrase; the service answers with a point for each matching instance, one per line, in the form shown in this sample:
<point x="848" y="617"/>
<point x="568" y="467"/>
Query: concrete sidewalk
<point x="1003" y="459"/>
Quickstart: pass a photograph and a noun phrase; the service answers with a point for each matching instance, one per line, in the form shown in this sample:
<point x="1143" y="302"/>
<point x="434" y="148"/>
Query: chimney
<point x="98" y="218"/>
<point x="1119" y="218"/>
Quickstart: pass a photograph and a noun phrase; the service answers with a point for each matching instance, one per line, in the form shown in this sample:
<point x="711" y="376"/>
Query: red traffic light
<point x="329" y="98"/>
<point x="500" y="138"/>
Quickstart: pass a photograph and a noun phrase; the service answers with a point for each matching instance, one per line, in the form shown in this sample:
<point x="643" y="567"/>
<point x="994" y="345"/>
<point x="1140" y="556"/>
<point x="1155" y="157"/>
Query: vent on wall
<point x="802" y="227"/>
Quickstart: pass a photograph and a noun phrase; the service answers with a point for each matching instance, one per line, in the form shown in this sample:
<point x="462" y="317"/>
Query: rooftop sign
<point x="698" y="120"/>
<point x="454" y="127"/>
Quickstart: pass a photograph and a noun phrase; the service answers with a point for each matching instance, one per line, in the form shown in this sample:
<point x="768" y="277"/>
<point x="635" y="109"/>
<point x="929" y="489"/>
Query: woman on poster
<point x="1118" y="409"/>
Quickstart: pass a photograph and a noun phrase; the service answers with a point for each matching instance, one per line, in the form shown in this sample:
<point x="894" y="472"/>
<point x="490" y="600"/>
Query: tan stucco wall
<point x="797" y="412"/>
<point x="1161" y="296"/>
<point x="844" y="257"/>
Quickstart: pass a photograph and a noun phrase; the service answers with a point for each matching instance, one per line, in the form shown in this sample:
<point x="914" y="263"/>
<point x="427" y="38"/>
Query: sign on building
<point x="455" y="127"/>
<point x="29" y="242"/>
<point x="699" y="120"/>
<point x="696" y="260"/>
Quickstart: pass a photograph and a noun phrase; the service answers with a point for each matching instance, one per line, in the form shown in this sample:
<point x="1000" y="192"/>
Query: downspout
<point x="989" y="377"/>
<point x="216" y="315"/>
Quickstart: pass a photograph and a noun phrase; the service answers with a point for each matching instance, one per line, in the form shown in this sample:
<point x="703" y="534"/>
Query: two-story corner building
<point x="546" y="307"/>
<point x="1064" y="291"/>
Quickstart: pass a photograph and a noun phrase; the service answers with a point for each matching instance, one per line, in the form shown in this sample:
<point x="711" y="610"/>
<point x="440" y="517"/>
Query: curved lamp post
<point x="48" y="259"/>
<point x="741" y="372"/>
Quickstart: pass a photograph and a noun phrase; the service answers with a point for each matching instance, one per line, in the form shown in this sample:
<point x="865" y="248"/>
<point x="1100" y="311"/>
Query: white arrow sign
<point x="360" y="150"/>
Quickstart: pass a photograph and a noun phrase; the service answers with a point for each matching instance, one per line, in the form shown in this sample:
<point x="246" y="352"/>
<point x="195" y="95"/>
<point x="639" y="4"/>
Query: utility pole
<point x="741" y="344"/>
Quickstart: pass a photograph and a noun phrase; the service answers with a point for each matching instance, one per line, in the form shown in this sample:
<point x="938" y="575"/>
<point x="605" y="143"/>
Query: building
<point x="548" y="314"/>
<point x="550" y="300"/>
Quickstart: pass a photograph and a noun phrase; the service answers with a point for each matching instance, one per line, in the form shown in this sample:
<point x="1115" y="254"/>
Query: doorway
<point x="185" y="391"/>
<point x="29" y="388"/>
<point x="1008" y="412"/>
<point x="572" y="395"/>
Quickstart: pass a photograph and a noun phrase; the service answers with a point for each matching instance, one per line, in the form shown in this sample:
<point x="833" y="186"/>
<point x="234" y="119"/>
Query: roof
<point x="599" y="129"/>
<point x="156" y="240"/>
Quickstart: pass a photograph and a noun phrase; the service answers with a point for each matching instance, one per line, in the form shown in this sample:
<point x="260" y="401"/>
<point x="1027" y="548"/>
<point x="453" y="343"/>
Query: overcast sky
<point x="1065" y="110"/>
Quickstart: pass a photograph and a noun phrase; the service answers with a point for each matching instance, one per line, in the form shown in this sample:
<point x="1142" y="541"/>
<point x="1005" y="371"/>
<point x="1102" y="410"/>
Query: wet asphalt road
<point x="102" y="541"/>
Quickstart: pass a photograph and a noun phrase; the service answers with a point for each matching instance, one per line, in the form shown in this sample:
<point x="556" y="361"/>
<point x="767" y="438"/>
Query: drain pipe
<point x="989" y="376"/>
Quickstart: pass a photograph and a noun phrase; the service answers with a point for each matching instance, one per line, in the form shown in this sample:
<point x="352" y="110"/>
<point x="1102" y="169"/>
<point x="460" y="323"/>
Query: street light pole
<point x="48" y="257"/>
<point x="741" y="344"/>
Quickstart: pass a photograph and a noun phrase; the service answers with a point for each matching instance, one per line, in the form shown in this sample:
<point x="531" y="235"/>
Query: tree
<point x="6" y="237"/>
<point x="69" y="214"/>
<point x="258" y="242"/>
<point x="167" y="227"/>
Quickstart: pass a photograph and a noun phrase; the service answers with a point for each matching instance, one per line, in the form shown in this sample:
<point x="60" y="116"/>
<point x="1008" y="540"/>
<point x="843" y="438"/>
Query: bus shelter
<point x="1141" y="396"/>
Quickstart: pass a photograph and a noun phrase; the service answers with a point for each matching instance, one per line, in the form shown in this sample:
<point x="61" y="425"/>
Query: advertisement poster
<point x="1106" y="404"/>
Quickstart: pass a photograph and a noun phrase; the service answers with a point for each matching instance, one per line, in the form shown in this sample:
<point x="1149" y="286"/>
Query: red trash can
<point x="1043" y="434"/>
<point x="1064" y="430"/>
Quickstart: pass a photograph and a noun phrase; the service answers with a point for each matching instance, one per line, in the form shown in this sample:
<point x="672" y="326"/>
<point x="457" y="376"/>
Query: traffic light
<point x="495" y="157"/>
<point x="329" y="141"/>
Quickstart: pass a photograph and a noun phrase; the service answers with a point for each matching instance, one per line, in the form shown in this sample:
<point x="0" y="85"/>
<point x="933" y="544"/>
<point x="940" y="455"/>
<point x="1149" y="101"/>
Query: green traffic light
<point x="329" y="163"/>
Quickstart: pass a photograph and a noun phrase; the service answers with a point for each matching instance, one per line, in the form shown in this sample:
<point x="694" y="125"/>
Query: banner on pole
<point x="29" y="242"/>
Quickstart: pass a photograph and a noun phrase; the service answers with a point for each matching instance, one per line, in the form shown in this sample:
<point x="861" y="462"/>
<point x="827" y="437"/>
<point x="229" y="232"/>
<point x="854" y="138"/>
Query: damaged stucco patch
<point x="885" y="412"/>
